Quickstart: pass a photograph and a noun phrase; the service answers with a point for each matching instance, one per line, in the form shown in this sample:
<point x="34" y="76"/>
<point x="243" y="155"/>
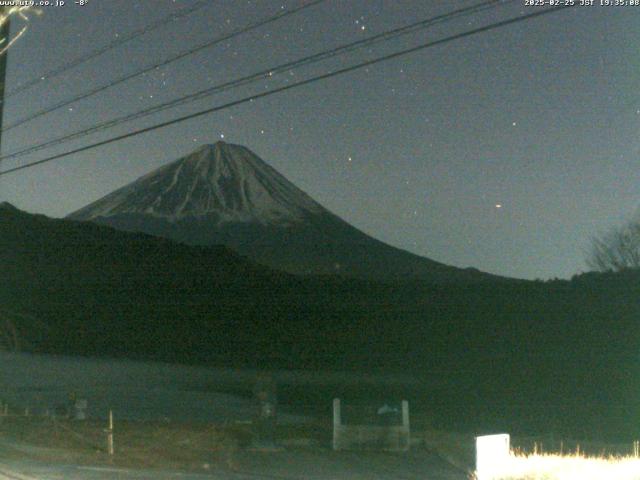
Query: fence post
<point x="636" y="448"/>
<point x="405" y="414"/>
<point x="110" y="434"/>
<point x="337" y="422"/>
<point x="405" y="425"/>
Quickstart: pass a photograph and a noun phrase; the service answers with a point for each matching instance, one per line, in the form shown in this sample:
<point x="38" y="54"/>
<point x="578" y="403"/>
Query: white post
<point x="337" y="422"/>
<point x="492" y="456"/>
<point x="110" y="434"/>
<point x="405" y="423"/>
<point x="405" y="414"/>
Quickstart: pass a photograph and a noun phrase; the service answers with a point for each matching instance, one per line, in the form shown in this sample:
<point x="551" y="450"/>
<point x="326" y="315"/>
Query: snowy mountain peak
<point x="225" y="182"/>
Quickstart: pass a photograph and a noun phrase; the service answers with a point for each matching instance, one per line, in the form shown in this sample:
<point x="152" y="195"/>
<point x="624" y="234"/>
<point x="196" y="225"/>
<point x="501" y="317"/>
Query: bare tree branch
<point x="21" y="12"/>
<point x="617" y="250"/>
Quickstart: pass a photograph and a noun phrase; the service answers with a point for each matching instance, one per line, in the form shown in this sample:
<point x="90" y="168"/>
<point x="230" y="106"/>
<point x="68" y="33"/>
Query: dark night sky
<point x="541" y="118"/>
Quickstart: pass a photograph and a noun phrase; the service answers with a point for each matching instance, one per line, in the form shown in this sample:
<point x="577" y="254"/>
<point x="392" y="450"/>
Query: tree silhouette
<point x="617" y="250"/>
<point x="14" y="325"/>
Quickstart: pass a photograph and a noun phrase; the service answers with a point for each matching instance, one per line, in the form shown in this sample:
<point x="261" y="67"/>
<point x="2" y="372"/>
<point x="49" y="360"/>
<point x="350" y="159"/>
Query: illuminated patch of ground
<point x="569" y="467"/>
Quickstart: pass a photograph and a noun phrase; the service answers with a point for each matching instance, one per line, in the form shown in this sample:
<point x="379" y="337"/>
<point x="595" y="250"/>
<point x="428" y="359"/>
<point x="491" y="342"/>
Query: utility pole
<point x="4" y="35"/>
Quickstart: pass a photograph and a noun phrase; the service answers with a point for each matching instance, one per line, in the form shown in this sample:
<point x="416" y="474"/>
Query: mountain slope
<point x="101" y="291"/>
<point x="225" y="194"/>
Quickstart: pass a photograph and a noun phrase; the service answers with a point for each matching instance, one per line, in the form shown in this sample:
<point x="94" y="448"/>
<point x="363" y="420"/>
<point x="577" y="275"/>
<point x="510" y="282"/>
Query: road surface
<point x="285" y="465"/>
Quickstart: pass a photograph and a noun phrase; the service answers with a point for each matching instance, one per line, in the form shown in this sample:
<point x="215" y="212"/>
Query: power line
<point x="367" y="42"/>
<point x="308" y="81"/>
<point x="110" y="46"/>
<point x="183" y="54"/>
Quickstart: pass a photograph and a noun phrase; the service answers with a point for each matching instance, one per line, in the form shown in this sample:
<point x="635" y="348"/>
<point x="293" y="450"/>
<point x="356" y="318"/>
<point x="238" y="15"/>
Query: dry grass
<point x="137" y="444"/>
<point x="456" y="448"/>
<point x="568" y="467"/>
<point x="459" y="450"/>
<point x="143" y="445"/>
<point x="200" y="447"/>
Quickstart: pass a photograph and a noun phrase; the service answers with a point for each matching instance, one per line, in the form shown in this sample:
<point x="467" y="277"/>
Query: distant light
<point x="222" y="135"/>
<point x="498" y="205"/>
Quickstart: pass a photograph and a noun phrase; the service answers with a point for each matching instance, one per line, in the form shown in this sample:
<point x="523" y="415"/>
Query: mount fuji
<point x="225" y="194"/>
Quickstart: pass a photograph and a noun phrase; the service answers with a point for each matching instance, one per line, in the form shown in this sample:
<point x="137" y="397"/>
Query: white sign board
<point x="492" y="455"/>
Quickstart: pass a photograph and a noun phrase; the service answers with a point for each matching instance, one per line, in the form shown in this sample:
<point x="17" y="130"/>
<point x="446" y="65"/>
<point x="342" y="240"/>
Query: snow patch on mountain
<point x="225" y="182"/>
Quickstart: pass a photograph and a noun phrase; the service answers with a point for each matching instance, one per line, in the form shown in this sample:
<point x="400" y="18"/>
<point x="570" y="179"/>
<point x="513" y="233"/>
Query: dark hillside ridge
<point x="516" y="356"/>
